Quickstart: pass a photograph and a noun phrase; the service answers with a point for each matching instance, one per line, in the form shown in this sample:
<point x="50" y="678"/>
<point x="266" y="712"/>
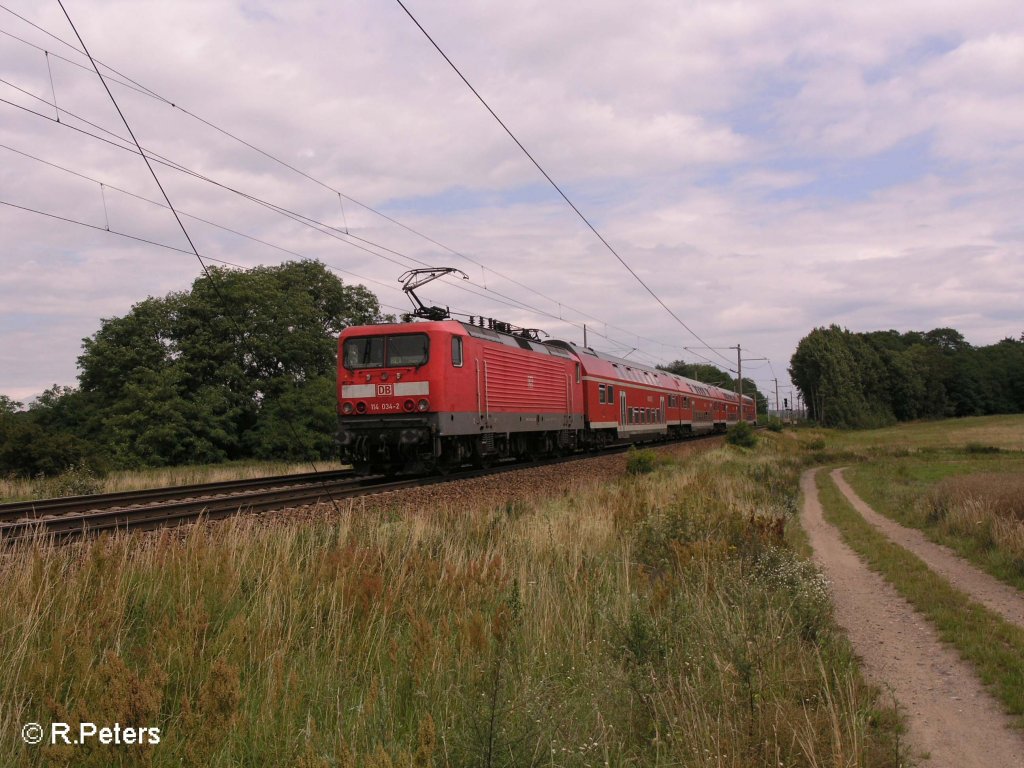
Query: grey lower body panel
<point x="452" y="424"/>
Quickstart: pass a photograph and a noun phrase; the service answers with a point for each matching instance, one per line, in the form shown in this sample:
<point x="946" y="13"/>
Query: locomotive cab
<point x="385" y="387"/>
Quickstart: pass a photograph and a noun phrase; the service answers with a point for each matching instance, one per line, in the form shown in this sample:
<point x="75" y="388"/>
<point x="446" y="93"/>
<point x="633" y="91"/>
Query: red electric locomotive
<point x="434" y="395"/>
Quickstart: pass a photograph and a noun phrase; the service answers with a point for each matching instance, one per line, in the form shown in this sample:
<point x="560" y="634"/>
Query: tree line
<point x="872" y="379"/>
<point x="242" y="365"/>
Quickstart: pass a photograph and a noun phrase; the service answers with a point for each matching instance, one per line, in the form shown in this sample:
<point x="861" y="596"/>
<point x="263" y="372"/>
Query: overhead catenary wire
<point x="136" y="86"/>
<point x="171" y="164"/>
<point x="195" y="251"/>
<point x="552" y="182"/>
<point x="49" y="214"/>
<point x="316" y="225"/>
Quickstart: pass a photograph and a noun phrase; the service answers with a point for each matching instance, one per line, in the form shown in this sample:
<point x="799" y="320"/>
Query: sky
<point x="765" y="167"/>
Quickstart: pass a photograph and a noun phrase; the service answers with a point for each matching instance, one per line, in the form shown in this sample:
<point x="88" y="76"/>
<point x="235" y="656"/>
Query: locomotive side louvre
<point x="515" y="382"/>
<point x="514" y="389"/>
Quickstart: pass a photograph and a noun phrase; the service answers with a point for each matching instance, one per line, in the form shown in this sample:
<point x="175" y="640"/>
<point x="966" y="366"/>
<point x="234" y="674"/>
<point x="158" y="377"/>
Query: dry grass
<point x="657" y="620"/>
<point x="987" y="507"/>
<point x="1004" y="432"/>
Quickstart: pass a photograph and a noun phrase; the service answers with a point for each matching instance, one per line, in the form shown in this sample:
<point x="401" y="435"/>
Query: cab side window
<point x="457" y="351"/>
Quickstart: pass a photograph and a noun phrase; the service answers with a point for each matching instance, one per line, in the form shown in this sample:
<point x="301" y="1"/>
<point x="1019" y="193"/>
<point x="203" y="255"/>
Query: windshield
<point x="407" y="350"/>
<point x="364" y="353"/>
<point x="390" y="351"/>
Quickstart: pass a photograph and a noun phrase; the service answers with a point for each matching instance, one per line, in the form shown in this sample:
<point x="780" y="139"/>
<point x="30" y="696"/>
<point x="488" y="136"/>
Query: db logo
<point x="385" y="390"/>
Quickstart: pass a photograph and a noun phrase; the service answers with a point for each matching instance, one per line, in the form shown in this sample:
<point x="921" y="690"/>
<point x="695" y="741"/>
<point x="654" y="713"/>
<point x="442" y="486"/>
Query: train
<point x="437" y="395"/>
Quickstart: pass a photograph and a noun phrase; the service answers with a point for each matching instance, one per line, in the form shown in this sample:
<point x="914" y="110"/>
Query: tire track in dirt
<point x="994" y="594"/>
<point x="952" y="721"/>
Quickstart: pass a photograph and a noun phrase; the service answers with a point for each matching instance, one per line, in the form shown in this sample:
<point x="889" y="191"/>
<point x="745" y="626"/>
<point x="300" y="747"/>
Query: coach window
<point x="600" y="393"/>
<point x="611" y="394"/>
<point x="457" y="351"/>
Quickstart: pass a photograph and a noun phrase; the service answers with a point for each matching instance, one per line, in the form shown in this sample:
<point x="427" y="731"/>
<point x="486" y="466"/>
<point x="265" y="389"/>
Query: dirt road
<point x="952" y="721"/>
<point x="995" y="595"/>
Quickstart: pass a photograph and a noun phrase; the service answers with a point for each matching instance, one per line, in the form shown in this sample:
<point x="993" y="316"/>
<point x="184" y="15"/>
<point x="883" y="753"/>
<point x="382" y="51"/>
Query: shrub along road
<point x="951" y="719"/>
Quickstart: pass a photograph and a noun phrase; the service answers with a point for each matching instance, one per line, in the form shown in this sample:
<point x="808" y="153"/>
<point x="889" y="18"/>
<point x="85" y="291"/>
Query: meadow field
<point x="664" y="618"/>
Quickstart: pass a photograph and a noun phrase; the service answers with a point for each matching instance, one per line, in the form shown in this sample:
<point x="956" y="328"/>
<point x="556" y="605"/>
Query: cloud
<point x="766" y="168"/>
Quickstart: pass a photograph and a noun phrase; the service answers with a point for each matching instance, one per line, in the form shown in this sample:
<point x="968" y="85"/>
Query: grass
<point x="971" y="502"/>
<point x="1006" y="432"/>
<point x="81" y="481"/>
<point x="658" y="619"/>
<point x="994" y="646"/>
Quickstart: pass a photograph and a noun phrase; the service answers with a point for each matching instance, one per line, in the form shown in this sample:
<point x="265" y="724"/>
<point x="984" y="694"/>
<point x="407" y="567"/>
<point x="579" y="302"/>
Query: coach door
<point x="622" y="406"/>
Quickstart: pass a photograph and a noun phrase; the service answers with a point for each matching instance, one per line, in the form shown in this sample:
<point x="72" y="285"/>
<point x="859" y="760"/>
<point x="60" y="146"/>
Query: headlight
<point x="423" y="405"/>
<point x="346" y="408"/>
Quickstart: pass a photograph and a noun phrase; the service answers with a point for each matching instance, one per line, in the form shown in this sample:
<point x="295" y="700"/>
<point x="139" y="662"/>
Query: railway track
<point x="70" y="504"/>
<point x="152" y="507"/>
<point x="76" y="516"/>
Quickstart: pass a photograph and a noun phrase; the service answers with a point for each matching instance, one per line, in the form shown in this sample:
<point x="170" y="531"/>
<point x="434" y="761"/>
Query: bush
<point x="77" y="480"/>
<point x="980" y="448"/>
<point x="640" y="462"/>
<point x="774" y="424"/>
<point x="742" y="434"/>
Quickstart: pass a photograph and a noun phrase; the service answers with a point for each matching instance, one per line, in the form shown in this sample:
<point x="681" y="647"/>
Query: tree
<point x="841" y="378"/>
<point x="8" y="406"/>
<point x="234" y="367"/>
<point x="865" y="379"/>
<point x="38" y="441"/>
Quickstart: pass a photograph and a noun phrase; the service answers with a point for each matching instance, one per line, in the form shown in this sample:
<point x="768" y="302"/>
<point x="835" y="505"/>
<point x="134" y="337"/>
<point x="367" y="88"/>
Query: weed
<point x="78" y="480"/>
<point x="640" y="462"/>
<point x="742" y="434"/>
